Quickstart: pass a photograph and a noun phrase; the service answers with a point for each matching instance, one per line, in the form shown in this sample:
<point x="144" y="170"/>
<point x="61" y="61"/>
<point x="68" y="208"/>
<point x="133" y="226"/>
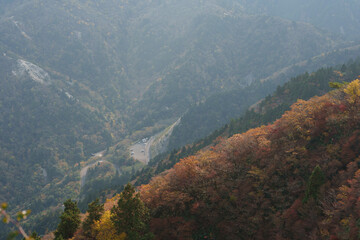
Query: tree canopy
<point x="70" y="221"/>
<point x="130" y="216"/>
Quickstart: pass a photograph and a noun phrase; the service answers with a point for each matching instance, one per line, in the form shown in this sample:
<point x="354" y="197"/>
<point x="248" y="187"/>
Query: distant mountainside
<point x="295" y="179"/>
<point x="44" y="132"/>
<point x="232" y="52"/>
<point x="131" y="52"/>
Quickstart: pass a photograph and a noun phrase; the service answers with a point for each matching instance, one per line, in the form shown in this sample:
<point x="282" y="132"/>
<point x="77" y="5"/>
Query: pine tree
<point x="95" y="210"/>
<point x="316" y="180"/>
<point x="131" y="216"/>
<point x="70" y="221"/>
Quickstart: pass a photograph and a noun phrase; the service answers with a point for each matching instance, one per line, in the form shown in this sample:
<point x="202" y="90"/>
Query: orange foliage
<point x="251" y="185"/>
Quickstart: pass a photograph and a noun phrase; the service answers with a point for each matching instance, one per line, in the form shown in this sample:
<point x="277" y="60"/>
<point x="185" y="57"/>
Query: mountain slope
<point x="261" y="184"/>
<point x="265" y="112"/>
<point x="202" y="119"/>
<point x="184" y="50"/>
<point x="45" y="132"/>
<point x="80" y="76"/>
<point x="225" y="53"/>
<point x="335" y="15"/>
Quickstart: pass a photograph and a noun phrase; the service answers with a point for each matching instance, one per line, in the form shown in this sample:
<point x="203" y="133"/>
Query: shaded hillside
<point x="224" y="53"/>
<point x="294" y="179"/>
<point x="268" y="110"/>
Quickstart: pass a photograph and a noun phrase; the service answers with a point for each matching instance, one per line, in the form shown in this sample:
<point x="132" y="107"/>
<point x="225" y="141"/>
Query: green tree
<point x="95" y="210"/>
<point x="131" y="216"/>
<point x="316" y="180"/>
<point x="70" y="221"/>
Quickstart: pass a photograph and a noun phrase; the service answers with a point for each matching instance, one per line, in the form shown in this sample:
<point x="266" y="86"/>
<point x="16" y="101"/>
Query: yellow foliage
<point x="345" y="222"/>
<point x="106" y="230"/>
<point x="257" y="172"/>
<point x="353" y="90"/>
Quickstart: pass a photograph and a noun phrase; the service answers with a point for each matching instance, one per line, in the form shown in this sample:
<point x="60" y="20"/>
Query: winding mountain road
<point x="84" y="170"/>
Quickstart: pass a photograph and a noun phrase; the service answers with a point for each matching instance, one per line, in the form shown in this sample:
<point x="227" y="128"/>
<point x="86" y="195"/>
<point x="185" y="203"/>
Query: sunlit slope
<point x="294" y="179"/>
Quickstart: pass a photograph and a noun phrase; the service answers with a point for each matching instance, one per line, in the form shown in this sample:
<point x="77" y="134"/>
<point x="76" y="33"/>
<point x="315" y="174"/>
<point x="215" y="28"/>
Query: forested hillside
<point x="82" y="81"/>
<point x="294" y="179"/>
<point x="268" y="110"/>
<point x="45" y="134"/>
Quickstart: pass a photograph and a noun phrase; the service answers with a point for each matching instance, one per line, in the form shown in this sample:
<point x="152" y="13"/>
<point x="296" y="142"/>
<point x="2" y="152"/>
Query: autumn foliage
<point x="298" y="178"/>
<point x="105" y="229"/>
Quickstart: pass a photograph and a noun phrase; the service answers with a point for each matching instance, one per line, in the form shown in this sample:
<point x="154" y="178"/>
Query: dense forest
<point x="294" y="179"/>
<point x="297" y="178"/>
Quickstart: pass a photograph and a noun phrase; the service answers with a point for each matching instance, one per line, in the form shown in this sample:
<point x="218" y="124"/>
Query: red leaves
<point x="351" y="149"/>
<point x="346" y="213"/>
<point x="342" y="107"/>
<point x="172" y="228"/>
<point x="253" y="183"/>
